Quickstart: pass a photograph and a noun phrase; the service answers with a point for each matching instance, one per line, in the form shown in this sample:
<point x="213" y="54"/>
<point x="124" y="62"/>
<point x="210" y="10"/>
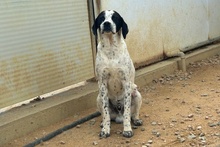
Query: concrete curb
<point x="22" y="120"/>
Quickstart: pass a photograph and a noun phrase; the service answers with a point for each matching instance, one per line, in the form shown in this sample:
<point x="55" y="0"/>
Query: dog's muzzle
<point x="107" y="27"/>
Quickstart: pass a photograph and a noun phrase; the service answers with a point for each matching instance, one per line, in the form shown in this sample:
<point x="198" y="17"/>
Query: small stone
<point x="204" y="95"/>
<point x="190" y="115"/>
<point x="150" y="141"/>
<point x="199" y="127"/>
<point x="142" y="129"/>
<point x="134" y="127"/>
<point x="78" y="126"/>
<point x="198" y="107"/>
<point x="171" y="125"/>
<point x="203" y="142"/>
<point x="161" y="80"/>
<point x="206" y="117"/>
<point x="154" y="123"/>
<point x="182" y="140"/>
<point x="183" y="102"/>
<point x="188" y="119"/>
<point x="182" y="122"/>
<point x="167" y="98"/>
<point x="167" y="109"/>
<point x="158" y="134"/>
<point x="192" y="136"/>
<point x="176" y="133"/>
<point x="62" y="142"/>
<point x="212" y="125"/>
<point x="146" y="116"/>
<point x="189" y="126"/>
<point x="192" y="144"/>
<point x="154" y="132"/>
<point x="174" y="120"/>
<point x="202" y="134"/>
<point x="202" y="138"/>
<point x="95" y="143"/>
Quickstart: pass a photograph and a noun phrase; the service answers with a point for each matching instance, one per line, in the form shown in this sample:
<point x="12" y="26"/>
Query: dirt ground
<point x="182" y="109"/>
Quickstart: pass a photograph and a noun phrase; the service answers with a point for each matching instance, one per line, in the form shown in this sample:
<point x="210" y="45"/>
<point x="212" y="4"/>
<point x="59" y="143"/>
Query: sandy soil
<point x="178" y="110"/>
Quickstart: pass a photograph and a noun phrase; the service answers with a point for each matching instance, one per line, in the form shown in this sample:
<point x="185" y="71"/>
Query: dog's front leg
<point x="127" y="111"/>
<point x="105" y="132"/>
<point x="103" y="102"/>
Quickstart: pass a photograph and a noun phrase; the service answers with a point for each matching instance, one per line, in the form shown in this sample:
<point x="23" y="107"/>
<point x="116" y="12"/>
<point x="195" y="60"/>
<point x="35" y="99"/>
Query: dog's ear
<point x="94" y="28"/>
<point x="124" y="29"/>
<point x="97" y="22"/>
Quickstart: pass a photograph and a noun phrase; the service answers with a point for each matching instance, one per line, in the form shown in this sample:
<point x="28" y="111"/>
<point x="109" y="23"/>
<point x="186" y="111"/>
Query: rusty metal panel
<point x="214" y="18"/>
<point x="44" y="45"/>
<point x="160" y="28"/>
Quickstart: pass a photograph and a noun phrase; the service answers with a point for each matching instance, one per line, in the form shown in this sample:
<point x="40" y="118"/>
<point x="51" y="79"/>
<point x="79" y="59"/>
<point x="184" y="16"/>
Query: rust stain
<point x="174" y="12"/>
<point x="145" y="45"/>
<point x="27" y="76"/>
<point x="152" y="43"/>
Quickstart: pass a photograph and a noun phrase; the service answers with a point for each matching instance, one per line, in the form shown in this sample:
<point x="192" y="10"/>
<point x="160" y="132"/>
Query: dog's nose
<point x="107" y="24"/>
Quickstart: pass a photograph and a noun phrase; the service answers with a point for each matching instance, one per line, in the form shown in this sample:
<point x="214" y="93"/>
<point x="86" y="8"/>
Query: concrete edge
<point x="25" y="119"/>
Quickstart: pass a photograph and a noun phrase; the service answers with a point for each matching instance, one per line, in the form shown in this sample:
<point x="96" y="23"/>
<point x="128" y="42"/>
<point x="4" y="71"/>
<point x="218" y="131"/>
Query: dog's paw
<point x="104" y="134"/>
<point x="128" y="134"/>
<point x="138" y="122"/>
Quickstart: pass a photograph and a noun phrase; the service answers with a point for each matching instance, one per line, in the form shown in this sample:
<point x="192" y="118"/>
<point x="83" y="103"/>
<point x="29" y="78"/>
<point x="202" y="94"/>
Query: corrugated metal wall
<point x="160" y="28"/>
<point x="44" y="45"/>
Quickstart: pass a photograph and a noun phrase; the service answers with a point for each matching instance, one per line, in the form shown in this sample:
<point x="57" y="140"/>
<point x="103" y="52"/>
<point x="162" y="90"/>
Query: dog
<point x="118" y="99"/>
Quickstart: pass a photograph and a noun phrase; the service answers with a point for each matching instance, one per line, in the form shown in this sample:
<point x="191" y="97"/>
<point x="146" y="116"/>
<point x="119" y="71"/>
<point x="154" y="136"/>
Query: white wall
<point x="160" y="28"/>
<point x="214" y="18"/>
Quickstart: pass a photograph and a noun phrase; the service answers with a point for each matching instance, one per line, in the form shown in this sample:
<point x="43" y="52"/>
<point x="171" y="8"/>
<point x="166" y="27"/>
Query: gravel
<point x="197" y="125"/>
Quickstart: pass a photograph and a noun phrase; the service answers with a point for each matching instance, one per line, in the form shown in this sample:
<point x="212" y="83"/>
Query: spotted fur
<point x="118" y="99"/>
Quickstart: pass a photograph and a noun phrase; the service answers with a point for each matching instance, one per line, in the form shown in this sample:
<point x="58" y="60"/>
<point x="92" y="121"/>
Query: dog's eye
<point x="101" y="18"/>
<point x="114" y="17"/>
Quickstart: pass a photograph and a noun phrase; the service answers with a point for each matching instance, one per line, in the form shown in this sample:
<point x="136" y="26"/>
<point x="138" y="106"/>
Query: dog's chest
<point x="114" y="57"/>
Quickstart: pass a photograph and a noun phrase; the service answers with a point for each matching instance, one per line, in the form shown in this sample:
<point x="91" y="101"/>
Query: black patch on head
<point x="98" y="21"/>
<point x="120" y="23"/>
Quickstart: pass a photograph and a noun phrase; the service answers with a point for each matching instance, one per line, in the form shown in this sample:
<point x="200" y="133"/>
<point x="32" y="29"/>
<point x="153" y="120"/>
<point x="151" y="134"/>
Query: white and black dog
<point x="118" y="98"/>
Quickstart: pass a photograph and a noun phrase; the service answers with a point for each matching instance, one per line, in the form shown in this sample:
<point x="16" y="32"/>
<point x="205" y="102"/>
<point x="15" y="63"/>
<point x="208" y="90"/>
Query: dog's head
<point x="110" y="21"/>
